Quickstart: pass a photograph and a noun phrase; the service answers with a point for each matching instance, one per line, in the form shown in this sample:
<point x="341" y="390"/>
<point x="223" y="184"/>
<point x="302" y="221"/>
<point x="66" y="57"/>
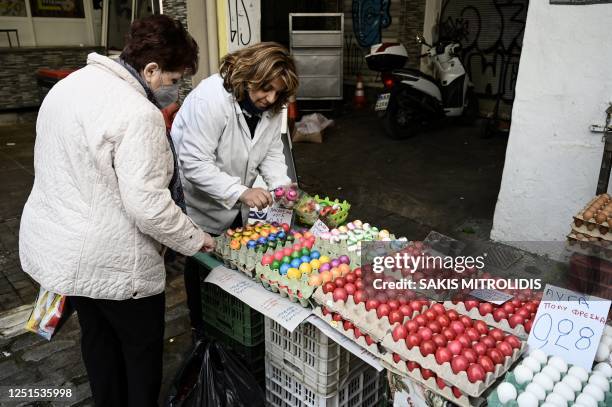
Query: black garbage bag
<point x="212" y="377"/>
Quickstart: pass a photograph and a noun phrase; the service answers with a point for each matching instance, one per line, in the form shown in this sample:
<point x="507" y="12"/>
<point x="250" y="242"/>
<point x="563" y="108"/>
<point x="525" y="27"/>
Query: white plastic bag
<point x="310" y="128"/>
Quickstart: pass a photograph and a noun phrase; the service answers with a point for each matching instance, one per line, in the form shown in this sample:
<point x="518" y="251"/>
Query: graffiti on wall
<point x="369" y="18"/>
<point x="243" y="19"/>
<point x="491" y="35"/>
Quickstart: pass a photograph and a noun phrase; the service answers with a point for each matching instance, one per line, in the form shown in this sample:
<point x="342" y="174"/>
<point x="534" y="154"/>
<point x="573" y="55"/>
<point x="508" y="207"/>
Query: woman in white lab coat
<point x="226" y="133"/>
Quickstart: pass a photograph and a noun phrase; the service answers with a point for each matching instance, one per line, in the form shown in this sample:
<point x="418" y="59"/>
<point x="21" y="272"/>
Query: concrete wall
<point x="564" y="85"/>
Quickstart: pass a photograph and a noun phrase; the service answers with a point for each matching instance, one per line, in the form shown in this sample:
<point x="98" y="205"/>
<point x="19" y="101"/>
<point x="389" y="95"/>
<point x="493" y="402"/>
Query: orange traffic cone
<point x="359" y="100"/>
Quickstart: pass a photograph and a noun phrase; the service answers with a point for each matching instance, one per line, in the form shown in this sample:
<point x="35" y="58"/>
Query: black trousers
<point x="192" y="275"/>
<point x="122" y="346"/>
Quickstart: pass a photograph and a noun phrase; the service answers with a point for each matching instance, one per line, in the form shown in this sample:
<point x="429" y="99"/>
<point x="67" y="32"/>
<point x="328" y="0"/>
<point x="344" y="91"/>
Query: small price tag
<point x="280" y="215"/>
<point x="319" y="228"/>
<point x="492" y="296"/>
<point x="569" y="325"/>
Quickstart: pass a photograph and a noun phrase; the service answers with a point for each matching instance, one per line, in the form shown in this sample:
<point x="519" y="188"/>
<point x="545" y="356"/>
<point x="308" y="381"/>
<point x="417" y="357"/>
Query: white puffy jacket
<point x="218" y="158"/>
<point x="100" y="208"/>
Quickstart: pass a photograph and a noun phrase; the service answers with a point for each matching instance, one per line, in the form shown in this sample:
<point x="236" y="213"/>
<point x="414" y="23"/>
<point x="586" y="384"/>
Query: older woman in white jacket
<point x="104" y="204"/>
<point x="226" y="133"/>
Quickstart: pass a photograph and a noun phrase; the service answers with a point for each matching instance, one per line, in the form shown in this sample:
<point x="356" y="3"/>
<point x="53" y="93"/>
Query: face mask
<point x="166" y="94"/>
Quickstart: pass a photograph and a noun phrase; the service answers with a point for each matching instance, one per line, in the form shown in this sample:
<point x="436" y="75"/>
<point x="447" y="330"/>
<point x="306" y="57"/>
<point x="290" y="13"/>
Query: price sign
<point x="318" y="228"/>
<point x="280" y="215"/>
<point x="492" y="296"/>
<point x="569" y="325"/>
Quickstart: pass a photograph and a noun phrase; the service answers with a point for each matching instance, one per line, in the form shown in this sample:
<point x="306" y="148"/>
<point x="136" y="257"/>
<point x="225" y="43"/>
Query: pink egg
<point x="324" y="267"/>
<point x="267" y="259"/>
<point x="287" y="251"/>
<point x="297" y="247"/>
<point x="279" y="255"/>
<point x="344" y="259"/>
<point x="309" y="244"/>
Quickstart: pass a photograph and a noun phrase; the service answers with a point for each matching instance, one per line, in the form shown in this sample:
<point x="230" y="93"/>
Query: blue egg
<point x="283" y="268"/>
<point x="296" y="263"/>
<point x="272" y="236"/>
<point x="262" y="240"/>
<point x="281" y="235"/>
<point x="315" y="255"/>
<point x="305" y="259"/>
<point x="251" y="244"/>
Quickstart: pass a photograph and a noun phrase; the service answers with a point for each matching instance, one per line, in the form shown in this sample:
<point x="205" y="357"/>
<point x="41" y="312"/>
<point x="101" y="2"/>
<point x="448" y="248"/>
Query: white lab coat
<point x="217" y="157"/>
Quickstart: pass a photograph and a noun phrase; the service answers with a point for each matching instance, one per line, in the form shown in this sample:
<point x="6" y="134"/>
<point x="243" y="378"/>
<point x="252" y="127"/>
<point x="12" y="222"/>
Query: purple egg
<point x="344" y="259"/>
<point x="335" y="263"/>
<point x="324" y="267"/>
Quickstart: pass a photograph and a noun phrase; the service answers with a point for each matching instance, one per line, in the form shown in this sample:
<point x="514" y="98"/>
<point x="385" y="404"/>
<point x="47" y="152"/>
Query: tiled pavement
<point x="16" y="178"/>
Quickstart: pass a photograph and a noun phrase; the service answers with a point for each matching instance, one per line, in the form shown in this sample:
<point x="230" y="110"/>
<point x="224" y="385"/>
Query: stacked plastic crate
<point x="236" y="325"/>
<point x="305" y="368"/>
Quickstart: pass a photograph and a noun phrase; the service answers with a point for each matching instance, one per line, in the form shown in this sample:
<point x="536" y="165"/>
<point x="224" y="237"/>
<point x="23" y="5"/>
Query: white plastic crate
<point x="364" y="387"/>
<point x="310" y="356"/>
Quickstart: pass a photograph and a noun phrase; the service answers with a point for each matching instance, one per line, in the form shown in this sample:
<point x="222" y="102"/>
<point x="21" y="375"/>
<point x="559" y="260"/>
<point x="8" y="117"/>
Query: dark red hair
<point x="163" y="40"/>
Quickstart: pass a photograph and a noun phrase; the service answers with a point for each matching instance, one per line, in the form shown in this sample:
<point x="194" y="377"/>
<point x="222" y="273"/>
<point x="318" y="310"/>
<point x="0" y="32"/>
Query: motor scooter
<point x="411" y="99"/>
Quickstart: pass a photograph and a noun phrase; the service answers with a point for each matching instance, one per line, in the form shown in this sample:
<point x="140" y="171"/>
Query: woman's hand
<point x="256" y="197"/>
<point x="209" y="244"/>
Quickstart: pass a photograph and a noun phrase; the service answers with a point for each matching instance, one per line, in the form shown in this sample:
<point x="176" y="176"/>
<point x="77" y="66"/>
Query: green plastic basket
<point x="231" y="316"/>
<point x="332" y="221"/>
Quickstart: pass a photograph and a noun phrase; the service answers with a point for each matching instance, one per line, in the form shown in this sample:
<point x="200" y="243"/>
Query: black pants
<point x="193" y="274"/>
<point x="122" y="346"/>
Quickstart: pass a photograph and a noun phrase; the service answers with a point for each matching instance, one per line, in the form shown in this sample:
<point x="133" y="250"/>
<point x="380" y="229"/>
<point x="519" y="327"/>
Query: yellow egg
<point x="335" y="272"/>
<point x="324" y="259"/>
<point x="264" y="233"/>
<point x="315" y="264"/>
<point x="235" y="244"/>
<point x="245" y="240"/>
<point x="314" y="280"/>
<point x="255" y="236"/>
<point x="305" y="268"/>
<point x="294" y="273"/>
<point x="247" y="233"/>
<point x="325" y="276"/>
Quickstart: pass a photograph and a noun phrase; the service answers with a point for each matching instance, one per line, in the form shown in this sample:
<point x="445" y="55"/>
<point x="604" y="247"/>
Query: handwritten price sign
<point x="569" y="325"/>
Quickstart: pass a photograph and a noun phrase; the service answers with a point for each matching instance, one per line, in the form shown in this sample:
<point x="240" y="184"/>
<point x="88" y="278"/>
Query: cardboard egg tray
<point x="590" y="224"/>
<point x="374" y="349"/>
<point x="293" y="289"/>
<point x="367" y="321"/>
<point x="601" y="232"/>
<point x="335" y="250"/>
<point x="401" y="369"/>
<point x="493" y="399"/>
<point x="243" y="259"/>
<point x="518" y="330"/>
<point x="444" y="371"/>
<point x="593" y="246"/>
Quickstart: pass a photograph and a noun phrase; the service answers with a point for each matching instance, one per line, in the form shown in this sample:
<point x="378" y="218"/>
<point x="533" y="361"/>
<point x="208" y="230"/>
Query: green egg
<point x="286" y="259"/>
<point x="296" y="255"/>
<point x="305" y="251"/>
<point x="290" y="238"/>
<point x="275" y="265"/>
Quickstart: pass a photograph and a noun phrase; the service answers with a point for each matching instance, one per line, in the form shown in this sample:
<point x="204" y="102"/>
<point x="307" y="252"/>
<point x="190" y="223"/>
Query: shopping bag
<point x="49" y="314"/>
<point x="212" y="377"/>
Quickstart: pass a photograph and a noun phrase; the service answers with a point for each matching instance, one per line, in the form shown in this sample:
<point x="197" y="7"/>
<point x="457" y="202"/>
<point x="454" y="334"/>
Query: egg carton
<point x="518" y="330"/>
<point x="589" y="222"/>
<point x="335" y="250"/>
<point x="374" y="349"/>
<point x="598" y="231"/>
<point x="297" y="291"/>
<point x="366" y="321"/>
<point x="493" y="398"/>
<point x="431" y="384"/>
<point x="589" y="246"/>
<point x="444" y="370"/>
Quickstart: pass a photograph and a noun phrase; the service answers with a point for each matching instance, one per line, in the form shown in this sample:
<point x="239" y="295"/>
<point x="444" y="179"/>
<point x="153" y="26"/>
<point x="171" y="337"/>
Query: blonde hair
<point x="254" y="67"/>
